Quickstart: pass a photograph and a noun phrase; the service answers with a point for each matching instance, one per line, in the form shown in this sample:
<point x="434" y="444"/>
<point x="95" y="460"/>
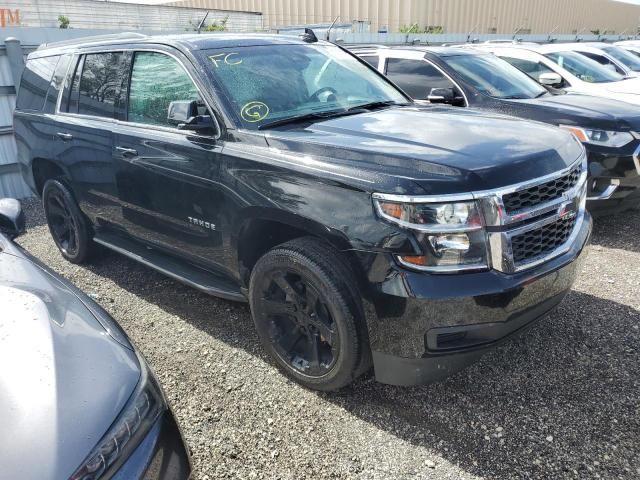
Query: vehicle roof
<point x="438" y="51"/>
<point x="188" y="41"/>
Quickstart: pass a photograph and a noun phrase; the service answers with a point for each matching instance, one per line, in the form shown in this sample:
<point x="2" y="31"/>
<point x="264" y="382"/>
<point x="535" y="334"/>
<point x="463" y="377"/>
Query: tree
<point x="218" y="27"/>
<point x="63" y="21"/>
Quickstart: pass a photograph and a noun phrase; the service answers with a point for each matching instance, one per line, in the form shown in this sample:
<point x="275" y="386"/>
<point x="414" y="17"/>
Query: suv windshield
<point x="624" y="56"/>
<point x="584" y="68"/>
<point x="495" y="77"/>
<point x="267" y="83"/>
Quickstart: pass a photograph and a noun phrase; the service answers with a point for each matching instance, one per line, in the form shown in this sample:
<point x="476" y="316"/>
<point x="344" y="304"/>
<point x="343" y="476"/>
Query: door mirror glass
<point x="550" y="79"/>
<point x="12" y="221"/>
<point x="441" y="95"/>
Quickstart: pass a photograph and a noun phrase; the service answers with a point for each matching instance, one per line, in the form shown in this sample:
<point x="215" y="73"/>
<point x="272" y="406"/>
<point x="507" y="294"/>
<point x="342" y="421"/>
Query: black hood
<point x="440" y="149"/>
<point x="579" y="110"/>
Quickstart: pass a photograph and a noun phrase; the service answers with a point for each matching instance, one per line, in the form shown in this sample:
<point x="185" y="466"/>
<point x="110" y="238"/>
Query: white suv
<point x="575" y="72"/>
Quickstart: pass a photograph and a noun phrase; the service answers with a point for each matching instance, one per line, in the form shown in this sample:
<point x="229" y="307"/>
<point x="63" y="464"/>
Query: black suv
<point x="362" y="228"/>
<point x="467" y="77"/>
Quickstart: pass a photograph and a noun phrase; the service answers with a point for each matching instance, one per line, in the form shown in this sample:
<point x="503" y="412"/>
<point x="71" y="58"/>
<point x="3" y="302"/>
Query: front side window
<point x="416" y="77"/>
<point x="156" y="81"/>
<point x="495" y="77"/>
<point x="267" y="83"/>
<point x="100" y="83"/>
<point x="583" y="68"/>
<point x="35" y="82"/>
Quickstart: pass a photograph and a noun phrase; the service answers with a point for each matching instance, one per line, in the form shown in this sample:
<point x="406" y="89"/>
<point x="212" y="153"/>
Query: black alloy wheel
<point x="301" y="327"/>
<point x="306" y="308"/>
<point x="67" y="224"/>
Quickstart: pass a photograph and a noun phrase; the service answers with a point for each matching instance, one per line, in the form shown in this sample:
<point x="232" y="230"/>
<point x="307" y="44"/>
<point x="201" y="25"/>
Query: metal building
<point x="453" y="16"/>
<point x="94" y="14"/>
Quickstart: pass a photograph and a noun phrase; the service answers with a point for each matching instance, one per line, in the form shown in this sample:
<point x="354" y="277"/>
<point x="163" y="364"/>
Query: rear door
<point x="168" y="179"/>
<point x="83" y="138"/>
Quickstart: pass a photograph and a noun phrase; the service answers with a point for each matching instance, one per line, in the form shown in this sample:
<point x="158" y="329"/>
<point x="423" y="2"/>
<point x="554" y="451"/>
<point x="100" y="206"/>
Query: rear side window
<point x="101" y="83"/>
<point x="416" y="77"/>
<point x="35" y="82"/>
<point x="602" y="60"/>
<point x="156" y="81"/>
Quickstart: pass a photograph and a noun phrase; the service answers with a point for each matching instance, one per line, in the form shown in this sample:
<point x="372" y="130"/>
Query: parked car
<point x="632" y="46"/>
<point x="614" y="58"/>
<point x="468" y="78"/>
<point x="77" y="400"/>
<point x="578" y="74"/>
<point x="361" y="227"/>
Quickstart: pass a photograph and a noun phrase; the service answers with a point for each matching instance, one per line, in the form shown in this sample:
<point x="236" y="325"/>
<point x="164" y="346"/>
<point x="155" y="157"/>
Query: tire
<point x="307" y="311"/>
<point x="69" y="227"/>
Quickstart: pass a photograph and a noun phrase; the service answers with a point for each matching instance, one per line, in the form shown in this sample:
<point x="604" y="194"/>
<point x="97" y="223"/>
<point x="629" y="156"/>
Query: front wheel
<point x="305" y="309"/>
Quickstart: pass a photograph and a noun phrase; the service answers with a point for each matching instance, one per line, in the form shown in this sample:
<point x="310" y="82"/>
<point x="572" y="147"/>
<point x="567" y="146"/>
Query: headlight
<point x="136" y="419"/>
<point x="451" y="234"/>
<point x="604" y="138"/>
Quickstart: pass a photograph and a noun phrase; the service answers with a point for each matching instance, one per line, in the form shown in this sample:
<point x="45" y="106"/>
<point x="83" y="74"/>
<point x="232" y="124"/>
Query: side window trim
<point x="76" y="66"/>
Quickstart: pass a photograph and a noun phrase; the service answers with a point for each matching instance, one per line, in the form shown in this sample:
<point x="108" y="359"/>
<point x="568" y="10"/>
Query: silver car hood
<point x="63" y="377"/>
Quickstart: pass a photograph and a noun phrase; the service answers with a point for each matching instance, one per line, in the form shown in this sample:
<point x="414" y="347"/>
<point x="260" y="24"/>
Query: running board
<point x="182" y="271"/>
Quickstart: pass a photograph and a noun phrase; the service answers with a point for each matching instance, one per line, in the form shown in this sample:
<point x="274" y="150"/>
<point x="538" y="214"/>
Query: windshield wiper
<point x="541" y="94"/>
<point x="306" y="117"/>
<point x="374" y="105"/>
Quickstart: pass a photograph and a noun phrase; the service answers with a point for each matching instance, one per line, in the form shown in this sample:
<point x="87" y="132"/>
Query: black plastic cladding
<point x="542" y="240"/>
<point x="543" y="193"/>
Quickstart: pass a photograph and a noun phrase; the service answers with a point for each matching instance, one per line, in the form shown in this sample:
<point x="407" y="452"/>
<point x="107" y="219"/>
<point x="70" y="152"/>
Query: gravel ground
<point x="562" y="401"/>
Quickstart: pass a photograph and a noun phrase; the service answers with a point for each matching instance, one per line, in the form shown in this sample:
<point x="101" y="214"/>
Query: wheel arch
<point x="42" y="169"/>
<point x="262" y="229"/>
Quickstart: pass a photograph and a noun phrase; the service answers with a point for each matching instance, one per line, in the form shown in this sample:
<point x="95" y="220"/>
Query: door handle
<point x="65" y="136"/>
<point x="127" y="152"/>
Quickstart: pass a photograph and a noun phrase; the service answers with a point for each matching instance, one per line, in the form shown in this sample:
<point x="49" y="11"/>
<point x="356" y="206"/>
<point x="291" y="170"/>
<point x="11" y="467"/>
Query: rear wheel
<point x="68" y="226"/>
<point x="306" y="314"/>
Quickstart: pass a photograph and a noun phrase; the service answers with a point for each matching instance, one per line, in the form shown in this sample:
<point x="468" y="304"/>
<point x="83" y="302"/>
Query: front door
<point x="167" y="178"/>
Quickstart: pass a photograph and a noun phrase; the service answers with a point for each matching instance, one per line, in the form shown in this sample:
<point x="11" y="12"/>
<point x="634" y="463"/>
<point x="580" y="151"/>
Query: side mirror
<point x="12" y="221"/>
<point x="184" y="115"/>
<point x="550" y="79"/>
<point x="611" y="67"/>
<point x="441" y="95"/>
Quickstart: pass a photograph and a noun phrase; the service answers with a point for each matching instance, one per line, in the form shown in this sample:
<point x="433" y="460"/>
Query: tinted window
<point x="35" y="82"/>
<point x="56" y="84"/>
<point x="100" y="83"/>
<point x="372" y="60"/>
<point x="416" y="77"/>
<point x="273" y="82"/>
<point x="156" y="81"/>
<point x="584" y="68"/>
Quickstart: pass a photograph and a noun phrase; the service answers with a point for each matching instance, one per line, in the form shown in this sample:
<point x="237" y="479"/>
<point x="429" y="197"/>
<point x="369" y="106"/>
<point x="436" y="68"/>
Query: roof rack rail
<point x="363" y="46"/>
<point x="95" y="39"/>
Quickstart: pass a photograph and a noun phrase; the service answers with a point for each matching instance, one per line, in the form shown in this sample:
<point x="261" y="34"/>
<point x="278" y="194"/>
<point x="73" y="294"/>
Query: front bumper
<point x="161" y="455"/>
<point x="614" y="178"/>
<point x="425" y="327"/>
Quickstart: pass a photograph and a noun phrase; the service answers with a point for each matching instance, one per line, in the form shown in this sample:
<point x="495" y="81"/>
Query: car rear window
<point x="35" y="82"/>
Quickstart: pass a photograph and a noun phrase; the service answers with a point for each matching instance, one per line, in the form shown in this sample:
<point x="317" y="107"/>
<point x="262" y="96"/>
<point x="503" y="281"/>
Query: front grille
<point x="541" y="241"/>
<point x="543" y="193"/>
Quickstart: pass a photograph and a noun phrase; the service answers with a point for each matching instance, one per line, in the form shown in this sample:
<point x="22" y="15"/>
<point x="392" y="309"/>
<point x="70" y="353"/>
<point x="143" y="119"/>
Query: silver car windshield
<point x="584" y="68"/>
<point x="495" y="77"/>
